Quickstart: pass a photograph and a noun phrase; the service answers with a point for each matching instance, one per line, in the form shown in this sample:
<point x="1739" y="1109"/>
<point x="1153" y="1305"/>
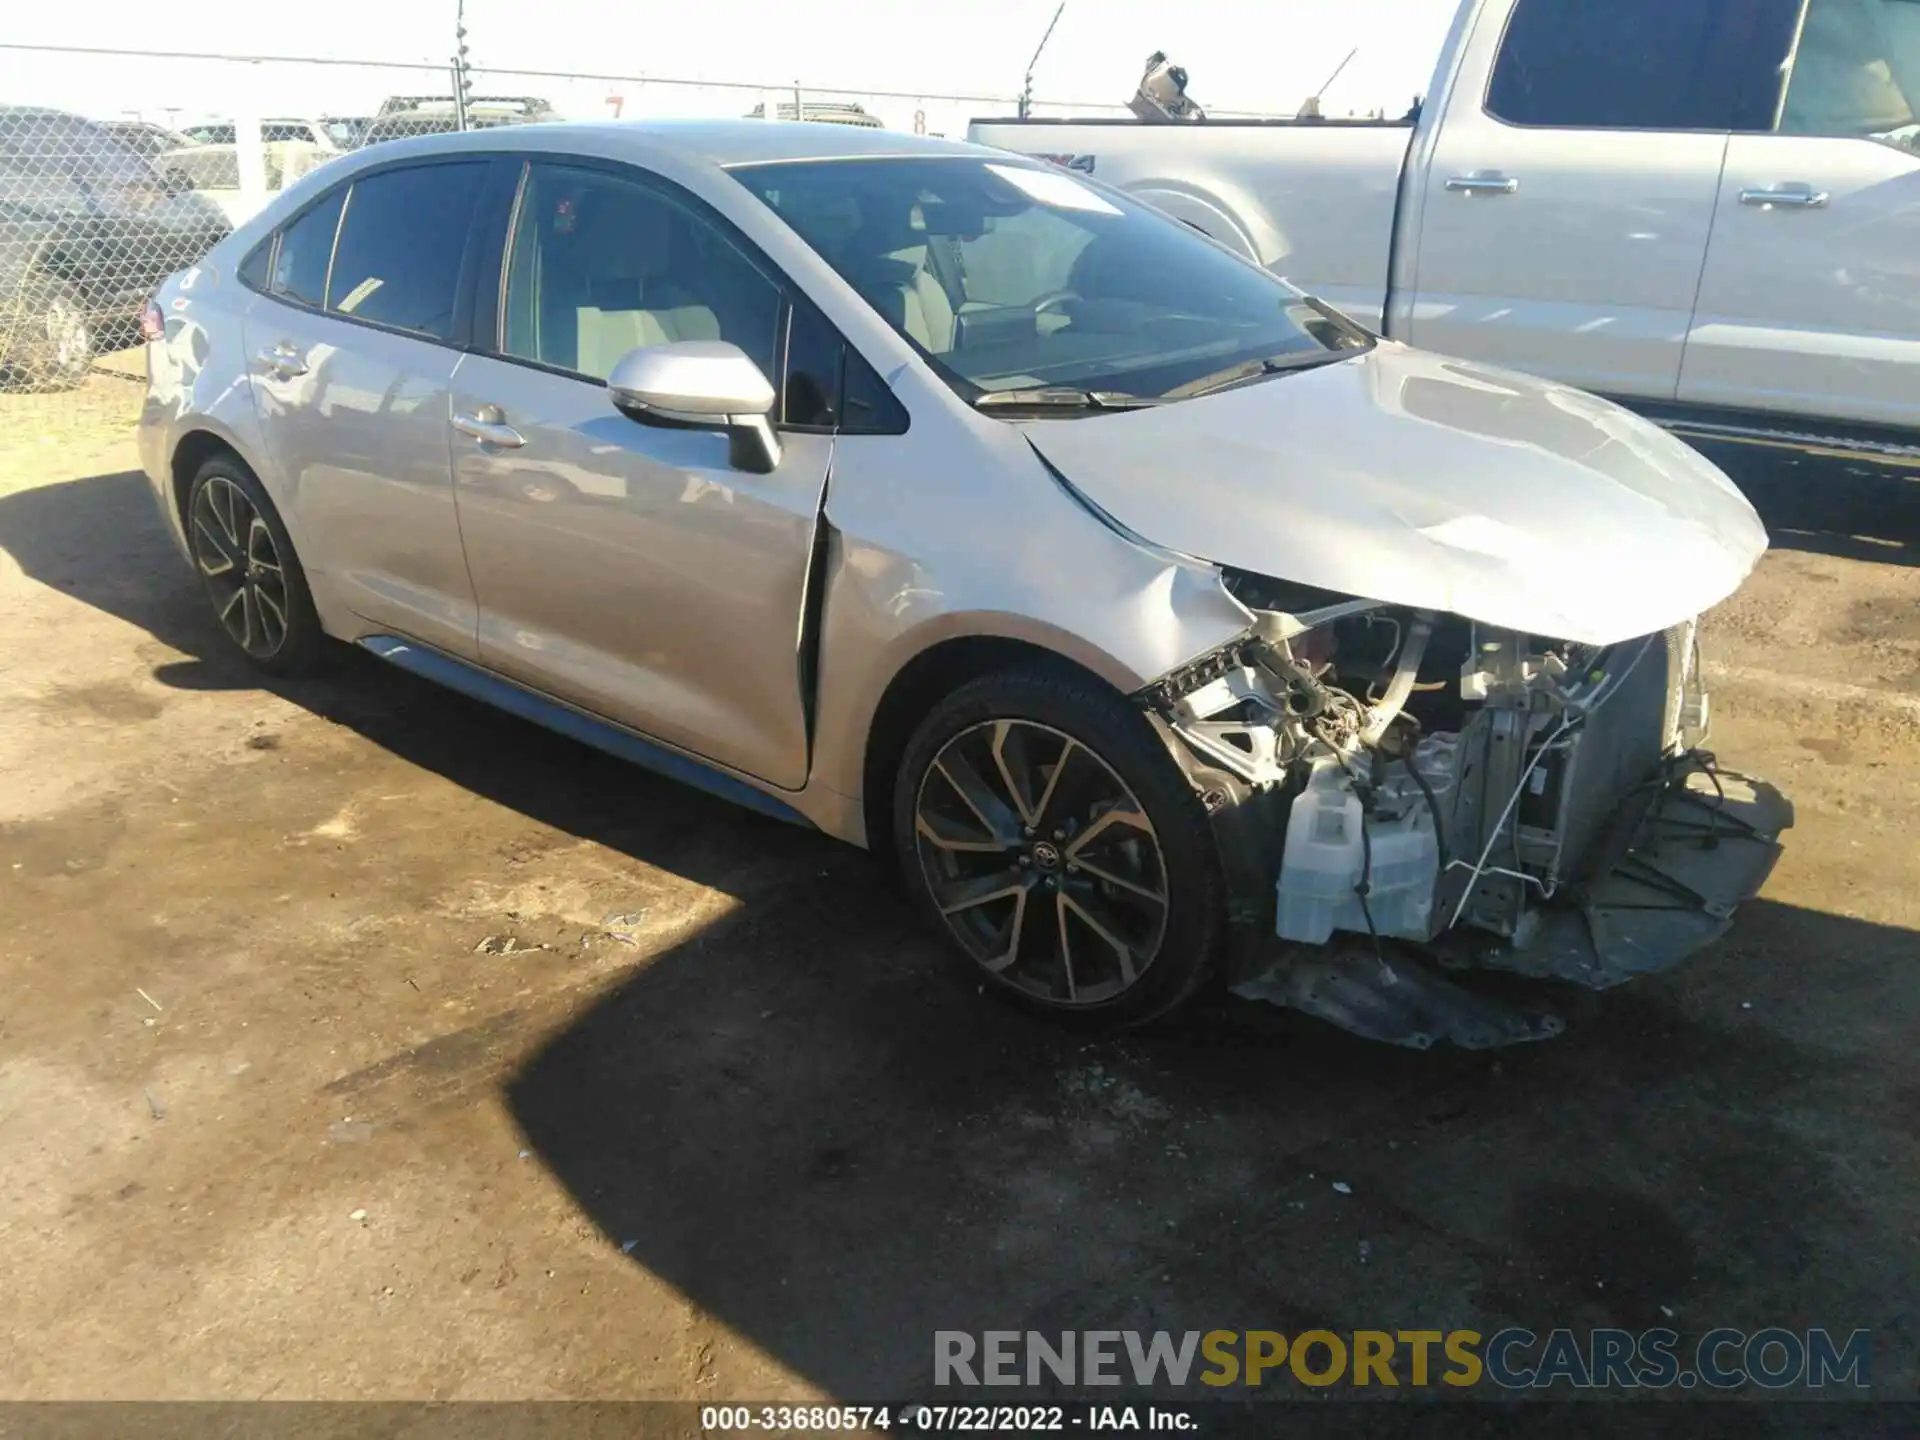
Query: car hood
<point x="1432" y="483"/>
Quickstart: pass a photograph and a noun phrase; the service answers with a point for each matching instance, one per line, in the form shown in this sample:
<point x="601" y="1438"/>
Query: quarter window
<point x="306" y="248"/>
<point x="602" y="264"/>
<point x="829" y="387"/>
<point x="810" y="398"/>
<point x="401" y="243"/>
<point x="1643" y="64"/>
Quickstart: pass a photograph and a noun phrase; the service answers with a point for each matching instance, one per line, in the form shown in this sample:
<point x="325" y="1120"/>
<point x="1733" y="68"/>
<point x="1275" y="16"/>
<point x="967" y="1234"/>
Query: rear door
<point x="1571" y="190"/>
<point x="351" y="358"/>
<point x="1810" y="302"/>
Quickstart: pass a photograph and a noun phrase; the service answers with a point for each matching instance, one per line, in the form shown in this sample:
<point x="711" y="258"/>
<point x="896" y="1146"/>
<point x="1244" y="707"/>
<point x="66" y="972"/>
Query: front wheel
<point x="1049" y="835"/>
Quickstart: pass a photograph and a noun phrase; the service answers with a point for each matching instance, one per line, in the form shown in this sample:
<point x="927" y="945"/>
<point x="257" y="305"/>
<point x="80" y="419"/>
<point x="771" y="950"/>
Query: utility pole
<point x="1026" y="91"/>
<point x="462" y="71"/>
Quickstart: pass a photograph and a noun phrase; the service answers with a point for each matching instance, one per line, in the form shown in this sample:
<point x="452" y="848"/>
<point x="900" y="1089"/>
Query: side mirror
<point x="702" y="385"/>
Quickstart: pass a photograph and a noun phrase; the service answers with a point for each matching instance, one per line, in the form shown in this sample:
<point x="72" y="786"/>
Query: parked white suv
<point x="1703" y="208"/>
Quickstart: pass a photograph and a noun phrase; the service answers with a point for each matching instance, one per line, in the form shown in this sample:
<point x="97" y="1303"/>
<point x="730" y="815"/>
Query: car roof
<point x="718" y="142"/>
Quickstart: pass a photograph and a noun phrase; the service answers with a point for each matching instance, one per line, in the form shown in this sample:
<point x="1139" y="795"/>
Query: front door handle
<point x="1489" y="184"/>
<point x="487" y="426"/>
<point x="283" y="361"/>
<point x="1787" y="197"/>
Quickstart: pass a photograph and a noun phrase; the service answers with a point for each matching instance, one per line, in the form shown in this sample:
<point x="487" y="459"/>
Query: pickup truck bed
<point x="1702" y="208"/>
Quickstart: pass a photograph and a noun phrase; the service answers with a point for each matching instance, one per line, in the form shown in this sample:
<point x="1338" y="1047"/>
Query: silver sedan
<point x="1155" y="620"/>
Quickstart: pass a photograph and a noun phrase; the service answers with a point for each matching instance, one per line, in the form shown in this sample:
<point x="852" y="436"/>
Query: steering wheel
<point x="1052" y="298"/>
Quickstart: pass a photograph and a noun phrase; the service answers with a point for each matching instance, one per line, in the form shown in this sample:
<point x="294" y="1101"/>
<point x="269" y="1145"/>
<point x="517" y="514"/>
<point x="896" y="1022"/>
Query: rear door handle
<point x="486" y="426"/>
<point x="283" y="360"/>
<point x="1787" y="197"/>
<point x="1490" y="184"/>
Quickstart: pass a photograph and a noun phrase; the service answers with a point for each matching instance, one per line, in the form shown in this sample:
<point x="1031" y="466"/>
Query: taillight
<point x="153" y="324"/>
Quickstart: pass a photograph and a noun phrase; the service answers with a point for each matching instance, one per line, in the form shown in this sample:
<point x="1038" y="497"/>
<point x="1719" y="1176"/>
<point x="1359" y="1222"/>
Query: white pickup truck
<point x="1706" y="209"/>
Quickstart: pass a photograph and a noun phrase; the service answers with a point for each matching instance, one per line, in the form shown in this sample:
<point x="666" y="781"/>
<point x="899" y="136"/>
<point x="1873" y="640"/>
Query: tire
<point x="1042" y="881"/>
<point x="46" y="339"/>
<point x="248" y="567"/>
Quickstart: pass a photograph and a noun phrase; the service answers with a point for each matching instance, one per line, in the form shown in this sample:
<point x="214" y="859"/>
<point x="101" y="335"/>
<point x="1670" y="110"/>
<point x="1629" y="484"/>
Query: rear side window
<point x="306" y="246"/>
<point x="1643" y="64"/>
<point x="1857" y="72"/>
<point x="398" y="258"/>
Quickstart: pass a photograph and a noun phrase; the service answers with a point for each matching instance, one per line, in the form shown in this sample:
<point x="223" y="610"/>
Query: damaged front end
<point x="1397" y="793"/>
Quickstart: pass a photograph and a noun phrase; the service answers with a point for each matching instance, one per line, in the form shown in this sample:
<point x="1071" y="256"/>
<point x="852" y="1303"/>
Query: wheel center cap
<point x="1046" y="855"/>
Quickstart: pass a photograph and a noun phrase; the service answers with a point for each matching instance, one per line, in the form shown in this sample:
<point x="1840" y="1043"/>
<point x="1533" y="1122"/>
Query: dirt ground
<point x="360" y="1042"/>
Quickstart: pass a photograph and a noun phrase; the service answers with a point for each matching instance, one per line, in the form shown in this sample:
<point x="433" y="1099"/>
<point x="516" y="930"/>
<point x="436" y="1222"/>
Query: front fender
<point x="989" y="545"/>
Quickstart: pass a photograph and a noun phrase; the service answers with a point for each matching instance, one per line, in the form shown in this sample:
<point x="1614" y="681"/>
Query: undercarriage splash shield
<point x="1391" y="997"/>
<point x="1706" y="845"/>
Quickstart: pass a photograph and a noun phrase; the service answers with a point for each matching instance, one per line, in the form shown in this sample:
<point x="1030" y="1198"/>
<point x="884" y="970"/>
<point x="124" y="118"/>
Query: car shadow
<point x="806" y="1120"/>
<point x="1828" y="506"/>
<point x="100" y="541"/>
<point x="828" y="1149"/>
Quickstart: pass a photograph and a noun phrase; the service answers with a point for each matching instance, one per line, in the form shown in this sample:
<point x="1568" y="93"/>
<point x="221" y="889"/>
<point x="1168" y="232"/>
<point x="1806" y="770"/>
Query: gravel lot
<point x="359" y="1041"/>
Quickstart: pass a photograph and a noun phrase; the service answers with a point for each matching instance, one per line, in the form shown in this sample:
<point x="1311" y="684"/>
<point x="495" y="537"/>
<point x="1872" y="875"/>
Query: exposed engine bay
<point x="1392" y="786"/>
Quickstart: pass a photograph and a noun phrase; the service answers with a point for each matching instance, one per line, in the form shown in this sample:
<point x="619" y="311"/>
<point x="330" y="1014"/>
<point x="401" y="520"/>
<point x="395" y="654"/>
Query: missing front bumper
<point x="1706" y="845"/>
<point x="1665" y="884"/>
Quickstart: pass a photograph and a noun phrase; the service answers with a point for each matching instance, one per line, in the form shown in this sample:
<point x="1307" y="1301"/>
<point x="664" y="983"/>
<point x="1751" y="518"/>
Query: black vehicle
<point x="145" y="138"/>
<point x="88" y="230"/>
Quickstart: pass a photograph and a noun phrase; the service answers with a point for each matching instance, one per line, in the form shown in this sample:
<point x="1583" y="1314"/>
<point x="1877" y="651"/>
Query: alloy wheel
<point x="1042" y="862"/>
<point x="68" y="336"/>
<point x="241" y="567"/>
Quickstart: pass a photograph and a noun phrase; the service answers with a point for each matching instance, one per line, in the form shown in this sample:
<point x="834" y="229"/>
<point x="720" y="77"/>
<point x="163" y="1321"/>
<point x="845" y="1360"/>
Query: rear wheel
<point x="1046" y="831"/>
<point x="247" y="566"/>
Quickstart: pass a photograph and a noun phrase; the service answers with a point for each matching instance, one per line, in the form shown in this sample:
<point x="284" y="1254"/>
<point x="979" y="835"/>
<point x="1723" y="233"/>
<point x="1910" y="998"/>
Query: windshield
<point x="1014" y="277"/>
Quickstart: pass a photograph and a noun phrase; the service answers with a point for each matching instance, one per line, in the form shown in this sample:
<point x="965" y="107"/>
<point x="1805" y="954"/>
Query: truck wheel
<point x="247" y="566"/>
<point x="46" y="342"/>
<point x="1047" y="833"/>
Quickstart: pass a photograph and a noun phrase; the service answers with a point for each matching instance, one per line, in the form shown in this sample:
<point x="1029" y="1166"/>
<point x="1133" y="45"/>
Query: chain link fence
<point x="100" y="202"/>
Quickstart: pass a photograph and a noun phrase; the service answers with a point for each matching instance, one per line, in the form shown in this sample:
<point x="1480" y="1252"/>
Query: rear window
<point x="1643" y="64"/>
<point x="398" y="258"/>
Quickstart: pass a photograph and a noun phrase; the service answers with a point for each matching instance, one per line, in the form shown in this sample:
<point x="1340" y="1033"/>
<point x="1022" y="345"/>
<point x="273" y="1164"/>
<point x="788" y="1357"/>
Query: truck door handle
<point x="486" y="426"/>
<point x="1789" y="197"/>
<point x="283" y="361"/>
<point x="1483" y="184"/>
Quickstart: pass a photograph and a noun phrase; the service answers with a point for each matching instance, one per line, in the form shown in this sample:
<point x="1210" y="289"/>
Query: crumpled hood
<point x="1432" y="483"/>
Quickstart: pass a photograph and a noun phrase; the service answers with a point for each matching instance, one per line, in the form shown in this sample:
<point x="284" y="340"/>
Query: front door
<point x="350" y="359"/>
<point x="1570" y="194"/>
<point x="629" y="569"/>
<point x="1810" y="303"/>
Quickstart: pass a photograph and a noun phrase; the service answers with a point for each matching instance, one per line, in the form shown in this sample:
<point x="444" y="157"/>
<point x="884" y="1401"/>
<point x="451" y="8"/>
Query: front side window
<point x="401" y="241"/>
<point x="1857" y="72"/>
<point x="1643" y="64"/>
<point x="602" y="264"/>
<point x="1013" y="277"/>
